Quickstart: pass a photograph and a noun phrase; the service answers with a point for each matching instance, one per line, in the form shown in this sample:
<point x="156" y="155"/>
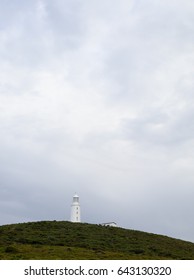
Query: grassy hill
<point x="65" y="240"/>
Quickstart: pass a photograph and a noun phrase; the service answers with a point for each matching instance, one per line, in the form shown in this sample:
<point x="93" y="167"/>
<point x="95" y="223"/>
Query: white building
<point x="75" y="210"/>
<point x="110" y="224"/>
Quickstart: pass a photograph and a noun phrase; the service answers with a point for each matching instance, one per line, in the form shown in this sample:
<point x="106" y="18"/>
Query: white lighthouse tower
<point x="75" y="210"/>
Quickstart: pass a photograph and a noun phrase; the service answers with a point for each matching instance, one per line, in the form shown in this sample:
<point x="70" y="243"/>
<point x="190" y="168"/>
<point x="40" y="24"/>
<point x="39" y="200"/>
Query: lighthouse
<point x="75" y="210"/>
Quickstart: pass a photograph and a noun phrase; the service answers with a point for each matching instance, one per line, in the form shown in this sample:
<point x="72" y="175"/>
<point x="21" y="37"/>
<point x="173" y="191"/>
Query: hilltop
<point x="66" y="240"/>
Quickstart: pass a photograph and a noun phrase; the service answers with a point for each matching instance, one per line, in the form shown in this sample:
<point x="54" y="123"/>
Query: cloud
<point x="98" y="98"/>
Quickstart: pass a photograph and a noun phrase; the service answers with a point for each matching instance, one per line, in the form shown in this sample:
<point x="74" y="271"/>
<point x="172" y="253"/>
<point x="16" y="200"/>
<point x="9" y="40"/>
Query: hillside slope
<point x="65" y="240"/>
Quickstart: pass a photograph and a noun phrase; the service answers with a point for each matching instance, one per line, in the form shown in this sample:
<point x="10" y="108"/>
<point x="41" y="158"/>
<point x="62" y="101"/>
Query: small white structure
<point x="75" y="210"/>
<point x="110" y="224"/>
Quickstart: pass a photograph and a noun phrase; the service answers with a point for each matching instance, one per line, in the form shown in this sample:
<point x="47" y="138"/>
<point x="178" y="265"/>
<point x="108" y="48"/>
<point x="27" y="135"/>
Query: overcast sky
<point x="97" y="97"/>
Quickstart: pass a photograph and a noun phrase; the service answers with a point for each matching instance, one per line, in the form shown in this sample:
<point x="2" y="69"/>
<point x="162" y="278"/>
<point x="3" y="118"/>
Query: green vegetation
<point x="65" y="240"/>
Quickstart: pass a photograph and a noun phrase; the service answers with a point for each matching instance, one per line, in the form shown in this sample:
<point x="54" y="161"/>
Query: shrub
<point x="11" y="249"/>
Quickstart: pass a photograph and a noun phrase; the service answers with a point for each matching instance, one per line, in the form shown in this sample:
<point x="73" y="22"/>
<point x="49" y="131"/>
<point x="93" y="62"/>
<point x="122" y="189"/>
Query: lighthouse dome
<point x="75" y="199"/>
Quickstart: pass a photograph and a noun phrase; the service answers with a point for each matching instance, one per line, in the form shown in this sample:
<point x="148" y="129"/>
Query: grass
<point x="65" y="240"/>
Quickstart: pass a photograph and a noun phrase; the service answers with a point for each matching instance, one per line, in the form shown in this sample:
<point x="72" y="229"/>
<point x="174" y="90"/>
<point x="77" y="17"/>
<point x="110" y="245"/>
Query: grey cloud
<point x="158" y="128"/>
<point x="96" y="98"/>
